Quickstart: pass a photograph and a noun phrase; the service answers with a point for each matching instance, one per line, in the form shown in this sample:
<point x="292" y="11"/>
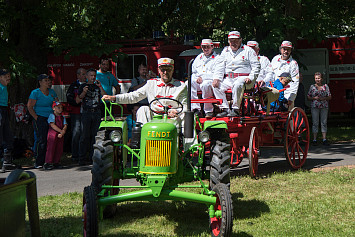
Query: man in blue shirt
<point x="6" y="136"/>
<point x="107" y="79"/>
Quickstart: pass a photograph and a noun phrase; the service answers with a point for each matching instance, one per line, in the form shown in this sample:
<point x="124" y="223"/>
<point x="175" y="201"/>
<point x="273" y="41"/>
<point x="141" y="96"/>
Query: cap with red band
<point x="252" y="43"/>
<point x="287" y="44"/>
<point x="234" y="35"/>
<point x="165" y="62"/>
<point x="206" y="42"/>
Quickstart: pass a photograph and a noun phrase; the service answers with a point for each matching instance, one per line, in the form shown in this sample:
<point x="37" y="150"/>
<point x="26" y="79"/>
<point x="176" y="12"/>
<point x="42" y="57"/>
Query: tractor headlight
<point x="204" y="136"/>
<point x="115" y="136"/>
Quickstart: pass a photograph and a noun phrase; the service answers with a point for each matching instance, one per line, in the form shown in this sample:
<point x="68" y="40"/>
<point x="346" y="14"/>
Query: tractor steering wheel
<point x="170" y="104"/>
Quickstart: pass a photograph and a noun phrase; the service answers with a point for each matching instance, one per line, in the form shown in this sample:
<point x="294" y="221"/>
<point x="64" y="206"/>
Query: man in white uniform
<point x="236" y="68"/>
<point x="202" y="76"/>
<point x="264" y="63"/>
<point x="165" y="86"/>
<point x="285" y="63"/>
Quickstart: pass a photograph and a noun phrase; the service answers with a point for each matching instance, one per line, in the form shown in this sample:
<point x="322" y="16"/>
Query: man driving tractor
<point x="165" y="86"/>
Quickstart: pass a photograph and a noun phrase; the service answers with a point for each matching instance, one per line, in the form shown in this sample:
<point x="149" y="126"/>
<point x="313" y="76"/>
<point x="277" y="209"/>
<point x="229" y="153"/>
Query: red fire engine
<point x="335" y="58"/>
<point x="134" y="52"/>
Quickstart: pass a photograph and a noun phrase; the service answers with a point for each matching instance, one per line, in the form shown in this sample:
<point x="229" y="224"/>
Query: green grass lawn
<point x="302" y="203"/>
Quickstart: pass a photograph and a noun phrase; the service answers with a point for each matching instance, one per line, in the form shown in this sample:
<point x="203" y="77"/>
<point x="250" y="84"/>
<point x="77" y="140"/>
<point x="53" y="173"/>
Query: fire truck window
<point x="128" y="66"/>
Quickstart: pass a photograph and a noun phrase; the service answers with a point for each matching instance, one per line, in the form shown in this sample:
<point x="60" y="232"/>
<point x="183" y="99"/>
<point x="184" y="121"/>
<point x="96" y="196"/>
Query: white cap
<point x="165" y="61"/>
<point x="253" y="44"/>
<point x="206" y="42"/>
<point x="234" y="35"/>
<point x="286" y="44"/>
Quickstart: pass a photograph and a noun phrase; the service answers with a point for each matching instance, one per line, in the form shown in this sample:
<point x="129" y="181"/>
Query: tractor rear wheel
<point x="103" y="167"/>
<point x="220" y="158"/>
<point x="90" y="225"/>
<point x="222" y="225"/>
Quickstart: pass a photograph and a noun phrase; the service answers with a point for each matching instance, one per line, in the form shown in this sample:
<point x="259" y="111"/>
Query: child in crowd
<point x="279" y="84"/>
<point x="57" y="128"/>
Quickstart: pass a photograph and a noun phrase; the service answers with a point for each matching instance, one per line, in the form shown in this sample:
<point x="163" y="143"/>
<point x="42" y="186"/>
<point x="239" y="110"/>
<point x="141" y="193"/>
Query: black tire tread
<point x="220" y="160"/>
<point x="92" y="211"/>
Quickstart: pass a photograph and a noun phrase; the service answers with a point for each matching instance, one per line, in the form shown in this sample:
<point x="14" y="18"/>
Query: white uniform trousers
<point x="207" y="92"/>
<point x="237" y="85"/>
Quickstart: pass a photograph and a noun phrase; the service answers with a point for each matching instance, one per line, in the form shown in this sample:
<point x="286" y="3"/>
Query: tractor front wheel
<point x="104" y="158"/>
<point x="90" y="217"/>
<point x="220" y="160"/>
<point x="222" y="224"/>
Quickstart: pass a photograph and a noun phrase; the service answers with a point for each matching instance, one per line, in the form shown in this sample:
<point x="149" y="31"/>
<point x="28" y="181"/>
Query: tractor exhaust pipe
<point x="189" y="115"/>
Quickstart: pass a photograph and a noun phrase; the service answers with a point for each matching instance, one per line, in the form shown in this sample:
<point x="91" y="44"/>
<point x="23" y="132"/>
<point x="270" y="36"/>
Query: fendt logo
<point x="158" y="134"/>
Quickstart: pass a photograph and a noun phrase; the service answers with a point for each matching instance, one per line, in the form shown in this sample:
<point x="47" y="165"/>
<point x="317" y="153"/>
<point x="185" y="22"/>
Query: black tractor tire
<point x="102" y="169"/>
<point x="220" y="158"/>
<point x="222" y="226"/>
<point x="90" y="213"/>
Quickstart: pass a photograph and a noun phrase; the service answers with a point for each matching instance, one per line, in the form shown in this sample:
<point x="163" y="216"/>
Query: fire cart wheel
<point x="253" y="152"/>
<point x="90" y="212"/>
<point x="220" y="158"/>
<point x="296" y="140"/>
<point x="222" y="226"/>
<point x="102" y="170"/>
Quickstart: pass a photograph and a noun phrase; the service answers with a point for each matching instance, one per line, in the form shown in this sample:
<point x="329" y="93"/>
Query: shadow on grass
<point x="64" y="226"/>
<point x="187" y="218"/>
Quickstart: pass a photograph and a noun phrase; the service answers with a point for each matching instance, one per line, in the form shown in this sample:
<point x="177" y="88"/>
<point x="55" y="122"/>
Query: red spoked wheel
<point x="296" y="140"/>
<point x="253" y="153"/>
<point x="222" y="223"/>
<point x="89" y="212"/>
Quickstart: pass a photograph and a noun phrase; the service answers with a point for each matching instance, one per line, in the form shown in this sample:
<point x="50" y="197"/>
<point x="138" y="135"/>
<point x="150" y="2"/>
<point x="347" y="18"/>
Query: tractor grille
<point x="157" y="153"/>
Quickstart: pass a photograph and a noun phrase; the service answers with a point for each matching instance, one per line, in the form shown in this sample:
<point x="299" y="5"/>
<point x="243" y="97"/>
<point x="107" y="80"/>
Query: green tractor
<point x="165" y="157"/>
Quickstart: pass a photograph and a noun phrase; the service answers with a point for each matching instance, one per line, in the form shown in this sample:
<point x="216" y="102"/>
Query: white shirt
<point x="244" y="60"/>
<point x="203" y="66"/>
<point x="156" y="88"/>
<point x="278" y="66"/>
<point x="264" y="63"/>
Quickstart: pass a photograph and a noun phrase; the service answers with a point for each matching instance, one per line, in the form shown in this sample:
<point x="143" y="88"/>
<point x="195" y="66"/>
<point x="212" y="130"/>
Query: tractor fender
<point x="215" y="124"/>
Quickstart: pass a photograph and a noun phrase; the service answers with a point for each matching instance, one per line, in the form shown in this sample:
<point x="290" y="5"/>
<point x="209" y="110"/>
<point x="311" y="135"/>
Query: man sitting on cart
<point x="282" y="103"/>
<point x="202" y="75"/>
<point x="285" y="63"/>
<point x="165" y="86"/>
<point x="236" y="68"/>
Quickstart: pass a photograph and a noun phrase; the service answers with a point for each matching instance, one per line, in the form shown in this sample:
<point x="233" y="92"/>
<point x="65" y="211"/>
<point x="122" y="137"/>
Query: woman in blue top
<point x="40" y="107"/>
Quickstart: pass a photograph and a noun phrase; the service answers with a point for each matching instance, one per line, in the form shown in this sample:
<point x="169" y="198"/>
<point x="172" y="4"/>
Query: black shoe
<point x="209" y="115"/>
<point x="314" y="143"/>
<point x="198" y="113"/>
<point x="47" y="166"/>
<point x="222" y="114"/>
<point x="233" y="113"/>
<point x="325" y="142"/>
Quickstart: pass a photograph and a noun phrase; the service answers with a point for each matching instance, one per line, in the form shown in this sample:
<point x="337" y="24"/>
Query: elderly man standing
<point x="165" y="86"/>
<point x="264" y="62"/>
<point x="285" y="63"/>
<point x="236" y="68"/>
<point x="202" y="76"/>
